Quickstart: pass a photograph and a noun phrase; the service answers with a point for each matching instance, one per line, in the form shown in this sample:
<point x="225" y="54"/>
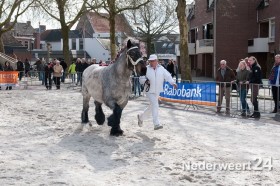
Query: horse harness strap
<point x="134" y="63"/>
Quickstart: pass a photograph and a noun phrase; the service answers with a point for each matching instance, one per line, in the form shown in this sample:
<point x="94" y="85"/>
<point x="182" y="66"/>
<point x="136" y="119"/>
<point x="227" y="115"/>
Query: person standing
<point x="57" y="73"/>
<point x="8" y="67"/>
<point x="84" y="65"/>
<point x="79" y="70"/>
<point x="242" y="80"/>
<point x="64" y="66"/>
<point x="176" y="70"/>
<point x="72" y="72"/>
<point x="255" y="82"/>
<point x="26" y="67"/>
<point x="170" y="68"/>
<point x="225" y="76"/>
<point x="274" y="82"/>
<point x="20" y="69"/>
<point x="155" y="76"/>
<point x="48" y="75"/>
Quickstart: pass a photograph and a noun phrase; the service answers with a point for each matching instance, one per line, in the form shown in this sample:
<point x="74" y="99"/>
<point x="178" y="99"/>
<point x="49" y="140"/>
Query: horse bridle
<point x="128" y="58"/>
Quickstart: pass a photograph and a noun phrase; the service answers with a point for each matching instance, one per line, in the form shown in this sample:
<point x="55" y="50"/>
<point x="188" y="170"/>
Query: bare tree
<point x="10" y="11"/>
<point x="67" y="13"/>
<point x="157" y="18"/>
<point x="113" y="8"/>
<point x="184" y="52"/>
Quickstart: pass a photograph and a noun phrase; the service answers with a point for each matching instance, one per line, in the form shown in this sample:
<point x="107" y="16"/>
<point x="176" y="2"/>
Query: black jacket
<point x="256" y="74"/>
<point x="20" y="66"/>
<point x="48" y="71"/>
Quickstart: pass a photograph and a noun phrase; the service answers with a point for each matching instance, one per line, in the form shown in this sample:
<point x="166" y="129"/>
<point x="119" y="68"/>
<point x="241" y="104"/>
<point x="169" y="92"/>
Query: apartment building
<point x="232" y="30"/>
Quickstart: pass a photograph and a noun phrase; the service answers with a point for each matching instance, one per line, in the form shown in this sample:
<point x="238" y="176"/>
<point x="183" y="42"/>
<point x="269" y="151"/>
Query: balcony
<point x="204" y="46"/>
<point x="258" y="45"/>
<point x="191" y="47"/>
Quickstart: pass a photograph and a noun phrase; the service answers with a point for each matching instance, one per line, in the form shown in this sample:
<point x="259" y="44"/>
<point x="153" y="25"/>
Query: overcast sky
<point x="50" y="23"/>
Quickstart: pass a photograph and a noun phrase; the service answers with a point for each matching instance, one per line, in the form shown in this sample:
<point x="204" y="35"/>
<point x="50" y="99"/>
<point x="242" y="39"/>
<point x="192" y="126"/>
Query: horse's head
<point x="134" y="59"/>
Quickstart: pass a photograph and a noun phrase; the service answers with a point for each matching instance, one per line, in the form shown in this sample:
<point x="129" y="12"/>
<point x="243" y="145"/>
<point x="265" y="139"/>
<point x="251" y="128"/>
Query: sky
<point x="50" y="23"/>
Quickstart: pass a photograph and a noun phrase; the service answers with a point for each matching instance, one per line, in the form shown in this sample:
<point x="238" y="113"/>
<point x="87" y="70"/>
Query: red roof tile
<point x="101" y="24"/>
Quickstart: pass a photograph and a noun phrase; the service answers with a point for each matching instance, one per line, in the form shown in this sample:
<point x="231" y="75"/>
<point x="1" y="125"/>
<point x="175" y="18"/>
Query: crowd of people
<point x="248" y="77"/>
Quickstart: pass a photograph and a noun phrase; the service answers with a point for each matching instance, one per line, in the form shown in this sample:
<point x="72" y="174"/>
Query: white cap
<point x="152" y="57"/>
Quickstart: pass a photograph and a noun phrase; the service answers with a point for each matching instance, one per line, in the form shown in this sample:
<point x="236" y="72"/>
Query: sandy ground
<point x="42" y="143"/>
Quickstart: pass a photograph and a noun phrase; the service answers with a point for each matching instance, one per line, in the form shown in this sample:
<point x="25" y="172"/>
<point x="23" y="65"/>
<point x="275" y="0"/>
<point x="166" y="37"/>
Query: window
<point x="266" y="3"/>
<point x="193" y="35"/>
<point x="73" y="44"/>
<point x="81" y="44"/>
<point x="207" y="31"/>
<point x="272" y="30"/>
<point x="26" y="44"/>
<point x="210" y="4"/>
<point x="191" y="9"/>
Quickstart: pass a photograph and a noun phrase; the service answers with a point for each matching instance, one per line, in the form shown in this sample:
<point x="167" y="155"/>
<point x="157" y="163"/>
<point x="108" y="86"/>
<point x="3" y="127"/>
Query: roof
<point x="105" y="43"/>
<point x="10" y="40"/>
<point x="55" y="35"/>
<point x="23" y="29"/>
<point x="164" y="47"/>
<point x="101" y="24"/>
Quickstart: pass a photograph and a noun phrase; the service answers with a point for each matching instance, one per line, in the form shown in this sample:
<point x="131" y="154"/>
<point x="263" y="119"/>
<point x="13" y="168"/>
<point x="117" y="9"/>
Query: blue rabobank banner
<point x="190" y="93"/>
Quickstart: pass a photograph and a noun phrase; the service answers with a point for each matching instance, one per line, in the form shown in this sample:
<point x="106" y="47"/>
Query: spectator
<point x="20" y="69"/>
<point x="225" y="76"/>
<point x="176" y="70"/>
<point x="40" y="68"/>
<point x="57" y="73"/>
<point x="242" y="80"/>
<point x="64" y="66"/>
<point x="274" y="81"/>
<point x="84" y="65"/>
<point x="79" y="71"/>
<point x="72" y="71"/>
<point x="48" y="75"/>
<point x="255" y="82"/>
<point x="170" y="68"/>
<point x="26" y="67"/>
<point x="8" y="67"/>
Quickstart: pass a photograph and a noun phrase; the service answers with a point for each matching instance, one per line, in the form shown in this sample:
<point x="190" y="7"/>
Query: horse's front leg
<point x="85" y="109"/>
<point x="99" y="114"/>
<point x="114" y="121"/>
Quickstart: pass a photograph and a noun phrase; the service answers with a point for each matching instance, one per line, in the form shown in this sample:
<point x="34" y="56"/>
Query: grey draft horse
<point x="111" y="85"/>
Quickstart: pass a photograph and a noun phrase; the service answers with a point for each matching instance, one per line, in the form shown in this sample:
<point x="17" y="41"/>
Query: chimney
<point x="28" y="23"/>
<point x="37" y="40"/>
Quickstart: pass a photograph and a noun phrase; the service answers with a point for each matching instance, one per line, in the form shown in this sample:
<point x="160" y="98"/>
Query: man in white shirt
<point x="154" y="79"/>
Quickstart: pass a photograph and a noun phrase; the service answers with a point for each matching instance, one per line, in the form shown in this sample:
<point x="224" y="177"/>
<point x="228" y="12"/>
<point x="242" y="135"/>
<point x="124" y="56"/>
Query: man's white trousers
<point x="152" y="108"/>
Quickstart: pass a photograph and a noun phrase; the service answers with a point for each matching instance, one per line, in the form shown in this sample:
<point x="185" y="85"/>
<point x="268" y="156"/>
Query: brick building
<point x="232" y="30"/>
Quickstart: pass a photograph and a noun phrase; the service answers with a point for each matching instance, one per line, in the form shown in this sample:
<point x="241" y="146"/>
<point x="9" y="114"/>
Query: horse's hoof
<point x="118" y="132"/>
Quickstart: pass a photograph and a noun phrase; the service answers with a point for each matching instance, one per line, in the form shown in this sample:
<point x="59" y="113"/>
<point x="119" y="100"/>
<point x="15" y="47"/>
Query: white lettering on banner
<point x="8" y="76"/>
<point x="193" y="92"/>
